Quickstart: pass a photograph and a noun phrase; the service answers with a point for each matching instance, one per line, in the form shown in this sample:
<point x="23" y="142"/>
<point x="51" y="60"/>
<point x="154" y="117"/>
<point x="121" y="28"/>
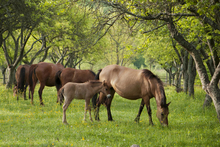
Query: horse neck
<point x="95" y="86"/>
<point x="160" y="95"/>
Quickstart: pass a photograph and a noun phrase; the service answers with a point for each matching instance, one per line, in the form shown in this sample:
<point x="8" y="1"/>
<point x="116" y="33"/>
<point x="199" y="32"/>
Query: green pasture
<point x="23" y="124"/>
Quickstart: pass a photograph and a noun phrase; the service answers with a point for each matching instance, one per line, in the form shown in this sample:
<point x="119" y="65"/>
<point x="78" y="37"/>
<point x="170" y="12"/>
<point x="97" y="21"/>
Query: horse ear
<point x="103" y="83"/>
<point x="168" y="104"/>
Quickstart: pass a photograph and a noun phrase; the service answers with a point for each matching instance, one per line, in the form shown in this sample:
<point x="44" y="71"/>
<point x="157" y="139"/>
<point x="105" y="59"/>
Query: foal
<point x="81" y="91"/>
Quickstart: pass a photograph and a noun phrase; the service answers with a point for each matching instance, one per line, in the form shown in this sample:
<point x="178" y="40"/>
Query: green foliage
<point x="23" y="124"/>
<point x="139" y="61"/>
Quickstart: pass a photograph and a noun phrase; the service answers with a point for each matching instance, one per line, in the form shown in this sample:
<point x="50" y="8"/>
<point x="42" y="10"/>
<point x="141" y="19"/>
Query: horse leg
<point x="65" y="106"/>
<point x="17" y="94"/>
<point x="31" y="88"/>
<point x="108" y="105"/>
<point x="147" y="102"/>
<point x="96" y="111"/>
<point x="87" y="107"/>
<point x="40" y="93"/>
<point x="139" y="112"/>
<point x="32" y="94"/>
<point x="25" y="92"/>
<point x="29" y="92"/>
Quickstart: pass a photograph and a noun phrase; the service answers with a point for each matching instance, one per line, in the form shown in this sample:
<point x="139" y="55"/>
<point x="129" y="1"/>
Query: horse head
<point x="106" y="89"/>
<point x="162" y="114"/>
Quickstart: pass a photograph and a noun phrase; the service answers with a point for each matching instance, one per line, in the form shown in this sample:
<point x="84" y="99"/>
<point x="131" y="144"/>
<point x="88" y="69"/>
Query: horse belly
<point x="128" y="91"/>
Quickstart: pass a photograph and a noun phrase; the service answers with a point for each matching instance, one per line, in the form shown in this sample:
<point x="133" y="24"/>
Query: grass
<point x="23" y="124"/>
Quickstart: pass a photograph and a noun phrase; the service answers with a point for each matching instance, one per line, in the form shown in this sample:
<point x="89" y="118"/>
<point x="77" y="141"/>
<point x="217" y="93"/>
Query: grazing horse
<point x="45" y="73"/>
<point x="22" y="79"/>
<point x="81" y="91"/>
<point x="133" y="84"/>
<point x="73" y="75"/>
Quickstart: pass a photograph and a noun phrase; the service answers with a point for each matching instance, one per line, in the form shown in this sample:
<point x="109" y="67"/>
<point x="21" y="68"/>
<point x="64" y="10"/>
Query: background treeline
<point x="181" y="36"/>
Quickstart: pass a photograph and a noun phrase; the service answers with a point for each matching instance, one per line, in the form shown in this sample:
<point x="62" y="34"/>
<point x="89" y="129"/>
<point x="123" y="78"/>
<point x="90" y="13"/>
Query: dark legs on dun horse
<point x="107" y="102"/>
<point x="137" y="119"/>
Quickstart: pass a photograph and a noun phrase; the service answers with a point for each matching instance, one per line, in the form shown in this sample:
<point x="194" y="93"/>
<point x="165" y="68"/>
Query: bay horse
<point x="73" y="75"/>
<point x="45" y="73"/>
<point x="22" y="79"/>
<point x="84" y="91"/>
<point x="133" y="84"/>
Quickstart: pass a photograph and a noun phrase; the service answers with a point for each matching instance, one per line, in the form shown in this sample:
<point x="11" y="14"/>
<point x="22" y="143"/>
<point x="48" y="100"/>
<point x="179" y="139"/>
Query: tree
<point x="168" y="13"/>
<point x="16" y="28"/>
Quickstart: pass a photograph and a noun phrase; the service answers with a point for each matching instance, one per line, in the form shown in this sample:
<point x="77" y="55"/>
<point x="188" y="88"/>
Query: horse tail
<point x="57" y="80"/>
<point x="60" y="95"/>
<point x="97" y="75"/>
<point x="94" y="98"/>
<point x="31" y="72"/>
<point x="21" y="81"/>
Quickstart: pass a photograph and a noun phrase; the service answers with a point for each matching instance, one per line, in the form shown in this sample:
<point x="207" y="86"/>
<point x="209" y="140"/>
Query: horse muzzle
<point x="109" y="96"/>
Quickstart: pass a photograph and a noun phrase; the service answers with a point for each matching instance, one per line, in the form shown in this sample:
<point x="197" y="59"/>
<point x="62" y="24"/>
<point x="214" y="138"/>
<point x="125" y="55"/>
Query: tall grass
<point x="23" y="124"/>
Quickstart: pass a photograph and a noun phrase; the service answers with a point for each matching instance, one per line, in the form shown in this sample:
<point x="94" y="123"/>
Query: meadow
<point x="23" y="124"/>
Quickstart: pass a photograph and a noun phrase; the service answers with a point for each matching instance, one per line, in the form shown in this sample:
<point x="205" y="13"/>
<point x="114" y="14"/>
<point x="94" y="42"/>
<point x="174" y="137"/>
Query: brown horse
<point x="134" y="84"/>
<point x="81" y="91"/>
<point x="73" y="75"/>
<point x="22" y="79"/>
<point x="45" y="73"/>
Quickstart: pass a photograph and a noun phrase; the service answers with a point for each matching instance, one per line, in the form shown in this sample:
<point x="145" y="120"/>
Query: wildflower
<point x="83" y="138"/>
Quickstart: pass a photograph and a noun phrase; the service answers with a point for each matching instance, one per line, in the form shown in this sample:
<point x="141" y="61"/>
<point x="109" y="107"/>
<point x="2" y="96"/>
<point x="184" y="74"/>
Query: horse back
<point x="76" y="75"/>
<point x="46" y="73"/>
<point x="125" y="81"/>
<point x="75" y="90"/>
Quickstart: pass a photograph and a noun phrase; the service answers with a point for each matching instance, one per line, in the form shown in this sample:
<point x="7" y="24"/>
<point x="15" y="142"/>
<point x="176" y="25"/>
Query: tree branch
<point x="204" y="18"/>
<point x="155" y="28"/>
<point x="215" y="78"/>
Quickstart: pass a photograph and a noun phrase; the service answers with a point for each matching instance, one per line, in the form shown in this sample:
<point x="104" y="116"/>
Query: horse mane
<point x="94" y="82"/>
<point x="149" y="75"/>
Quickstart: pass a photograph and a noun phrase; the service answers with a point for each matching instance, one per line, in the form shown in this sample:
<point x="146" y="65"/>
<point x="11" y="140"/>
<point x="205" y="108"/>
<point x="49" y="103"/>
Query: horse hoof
<point x="97" y="119"/>
<point x="137" y="120"/>
<point x="65" y="123"/>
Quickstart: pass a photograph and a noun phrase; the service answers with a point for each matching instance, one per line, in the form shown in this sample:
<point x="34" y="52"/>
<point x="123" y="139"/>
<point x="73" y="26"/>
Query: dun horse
<point x="45" y="73"/>
<point x="22" y="79"/>
<point x="81" y="91"/>
<point x="73" y="75"/>
<point x="134" y="84"/>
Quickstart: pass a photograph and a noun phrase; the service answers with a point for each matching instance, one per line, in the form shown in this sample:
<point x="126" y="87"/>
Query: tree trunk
<point x="192" y="75"/>
<point x="3" y="74"/>
<point x="11" y="76"/>
<point x="214" y="93"/>
<point x="208" y="101"/>
<point x="178" y="80"/>
<point x="185" y="72"/>
<point x="211" y="87"/>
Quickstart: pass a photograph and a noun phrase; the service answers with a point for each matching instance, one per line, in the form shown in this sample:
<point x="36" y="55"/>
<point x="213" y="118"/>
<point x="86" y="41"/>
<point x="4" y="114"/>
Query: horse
<point x="81" y="91"/>
<point x="133" y="84"/>
<point x="22" y="81"/>
<point x="45" y="73"/>
<point x="73" y="75"/>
